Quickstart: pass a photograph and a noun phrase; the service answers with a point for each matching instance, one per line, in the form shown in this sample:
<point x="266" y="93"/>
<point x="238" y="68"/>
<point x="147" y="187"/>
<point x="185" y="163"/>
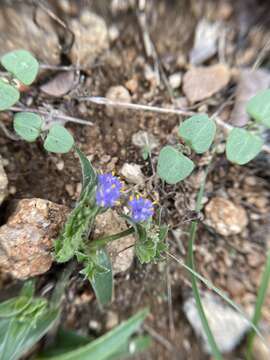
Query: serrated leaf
<point x="108" y="345"/>
<point x="198" y="132"/>
<point x="58" y="140"/>
<point x="102" y="281"/>
<point x="242" y="146"/>
<point x="9" y="95"/>
<point x="28" y="125"/>
<point x="173" y="166"/>
<point x="259" y="107"/>
<point x="22" y="65"/>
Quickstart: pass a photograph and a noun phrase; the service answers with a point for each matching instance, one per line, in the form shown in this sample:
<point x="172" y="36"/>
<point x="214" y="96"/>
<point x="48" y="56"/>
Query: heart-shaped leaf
<point x="242" y="146"/>
<point x="28" y="125"/>
<point x="22" y="65"/>
<point x="58" y="140"/>
<point x="173" y="166"/>
<point x="9" y="95"/>
<point x="198" y="132"/>
<point x="259" y="107"/>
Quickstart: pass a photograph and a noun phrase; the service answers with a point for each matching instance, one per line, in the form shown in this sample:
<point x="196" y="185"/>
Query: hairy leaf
<point x="173" y="166"/>
<point x="259" y="107"/>
<point x="28" y="125"/>
<point x="242" y="146"/>
<point x="198" y="132"/>
<point x="58" y="140"/>
<point x="9" y="95"/>
<point x="22" y="65"/>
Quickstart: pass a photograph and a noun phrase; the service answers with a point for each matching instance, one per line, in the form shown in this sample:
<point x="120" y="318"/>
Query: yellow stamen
<point x="131" y="198"/>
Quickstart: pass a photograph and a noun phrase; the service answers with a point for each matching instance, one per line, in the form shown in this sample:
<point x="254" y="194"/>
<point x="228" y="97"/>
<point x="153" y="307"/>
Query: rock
<point x="225" y="217"/>
<point x="175" y="80"/>
<point x="122" y="250"/>
<point x="117" y="93"/>
<point x="3" y="182"/>
<point x="60" y="84"/>
<point x="200" y="83"/>
<point x="205" y="42"/>
<point x="26" y="240"/>
<point x="112" y="320"/>
<point x="132" y="173"/>
<point x="91" y="39"/>
<point x="250" y="82"/>
<point x="143" y="139"/>
<point x="228" y="326"/>
<point x="19" y="31"/>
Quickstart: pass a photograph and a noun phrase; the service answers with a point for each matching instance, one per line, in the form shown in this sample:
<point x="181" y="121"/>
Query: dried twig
<point x="55" y="114"/>
<point x="104" y="101"/>
<point x="161" y="339"/>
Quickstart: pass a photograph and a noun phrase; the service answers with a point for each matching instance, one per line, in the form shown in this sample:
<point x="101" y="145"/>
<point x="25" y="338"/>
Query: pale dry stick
<point x="261" y="55"/>
<point x="104" y="101"/>
<point x="8" y="134"/>
<point x="55" y="115"/>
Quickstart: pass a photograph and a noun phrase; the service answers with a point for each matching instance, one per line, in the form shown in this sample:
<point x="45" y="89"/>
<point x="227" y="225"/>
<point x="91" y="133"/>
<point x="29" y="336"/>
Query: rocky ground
<point x="209" y="56"/>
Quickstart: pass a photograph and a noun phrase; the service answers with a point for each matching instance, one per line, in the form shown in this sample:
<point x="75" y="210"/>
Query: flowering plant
<point x="101" y="192"/>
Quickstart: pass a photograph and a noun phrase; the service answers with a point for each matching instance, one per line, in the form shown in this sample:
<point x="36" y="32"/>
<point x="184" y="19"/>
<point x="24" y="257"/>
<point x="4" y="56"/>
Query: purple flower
<point x="108" y="190"/>
<point x="141" y="209"/>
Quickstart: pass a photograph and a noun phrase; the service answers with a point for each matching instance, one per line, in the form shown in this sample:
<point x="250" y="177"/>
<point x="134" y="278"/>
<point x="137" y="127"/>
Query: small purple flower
<point x="141" y="209"/>
<point x="108" y="190"/>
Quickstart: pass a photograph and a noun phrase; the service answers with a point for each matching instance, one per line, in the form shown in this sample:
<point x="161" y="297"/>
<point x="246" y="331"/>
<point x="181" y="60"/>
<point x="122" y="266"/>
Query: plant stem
<point x="190" y="260"/>
<point x="99" y="243"/>
<point x="258" y="307"/>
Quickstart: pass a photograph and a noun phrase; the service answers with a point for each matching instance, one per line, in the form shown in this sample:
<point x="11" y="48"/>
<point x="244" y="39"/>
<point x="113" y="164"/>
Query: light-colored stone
<point x="121" y="251"/>
<point x="91" y="39"/>
<point x="200" y="83"/>
<point x="132" y="173"/>
<point x="228" y="326"/>
<point x="3" y="182"/>
<point x="260" y="350"/>
<point x="26" y="240"/>
<point x="19" y="31"/>
<point x="175" y="80"/>
<point x="225" y="217"/>
<point x="143" y="139"/>
<point x="117" y="93"/>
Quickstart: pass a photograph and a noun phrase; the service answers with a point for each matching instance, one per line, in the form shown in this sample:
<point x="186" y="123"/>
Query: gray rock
<point x="228" y="326"/>
<point x="3" y="182"/>
<point x="26" y="240"/>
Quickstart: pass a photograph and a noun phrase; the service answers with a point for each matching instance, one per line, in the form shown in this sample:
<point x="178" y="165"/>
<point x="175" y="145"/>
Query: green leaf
<point x="28" y="125"/>
<point x="58" y="140"/>
<point x="131" y="348"/>
<point x="242" y="146"/>
<point x="107" y="345"/>
<point x="173" y="166"/>
<point x="22" y="65"/>
<point x="9" y="95"/>
<point x="88" y="172"/>
<point x="198" y="132"/>
<point x="259" y="107"/>
<point x="102" y="281"/>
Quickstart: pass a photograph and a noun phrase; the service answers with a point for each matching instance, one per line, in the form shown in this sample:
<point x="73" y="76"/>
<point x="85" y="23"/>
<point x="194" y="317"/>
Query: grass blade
<point x="259" y="304"/>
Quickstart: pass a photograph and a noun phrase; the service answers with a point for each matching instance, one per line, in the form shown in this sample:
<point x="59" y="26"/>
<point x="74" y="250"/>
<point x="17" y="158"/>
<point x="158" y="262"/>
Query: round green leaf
<point x="259" y="107"/>
<point x="242" y="146"/>
<point x="173" y="166"/>
<point x="58" y="140"/>
<point x="22" y="65"/>
<point x="9" y="95"/>
<point x="198" y="132"/>
<point x="27" y="125"/>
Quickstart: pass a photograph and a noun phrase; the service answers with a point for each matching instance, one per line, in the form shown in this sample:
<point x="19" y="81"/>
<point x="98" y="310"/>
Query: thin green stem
<point x="99" y="243"/>
<point x="259" y="304"/>
<point x="190" y="261"/>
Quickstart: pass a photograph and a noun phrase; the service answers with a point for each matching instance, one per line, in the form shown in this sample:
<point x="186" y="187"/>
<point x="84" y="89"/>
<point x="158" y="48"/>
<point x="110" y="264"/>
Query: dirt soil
<point x="32" y="172"/>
